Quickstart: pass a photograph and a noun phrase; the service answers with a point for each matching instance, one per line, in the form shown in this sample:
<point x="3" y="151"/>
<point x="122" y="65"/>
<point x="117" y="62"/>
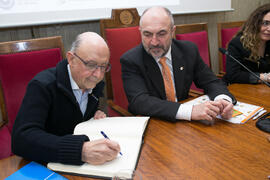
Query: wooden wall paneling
<point x="15" y="34"/>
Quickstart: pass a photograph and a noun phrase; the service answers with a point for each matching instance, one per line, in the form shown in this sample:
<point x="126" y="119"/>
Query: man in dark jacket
<point x="159" y="72"/>
<point x="59" y="98"/>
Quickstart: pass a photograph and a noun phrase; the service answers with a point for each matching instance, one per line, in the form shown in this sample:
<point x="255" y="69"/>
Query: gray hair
<point x="169" y="13"/>
<point x="75" y="44"/>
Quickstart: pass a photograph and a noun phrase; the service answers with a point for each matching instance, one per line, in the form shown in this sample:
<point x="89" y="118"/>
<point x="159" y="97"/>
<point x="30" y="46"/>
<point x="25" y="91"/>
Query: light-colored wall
<point x="242" y="9"/>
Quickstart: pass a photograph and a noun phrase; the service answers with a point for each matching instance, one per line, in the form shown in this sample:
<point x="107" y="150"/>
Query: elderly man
<point x="59" y="98"/>
<point x="159" y="72"/>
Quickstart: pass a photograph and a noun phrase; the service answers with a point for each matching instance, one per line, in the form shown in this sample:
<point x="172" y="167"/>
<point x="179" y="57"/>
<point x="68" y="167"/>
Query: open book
<point x="127" y="131"/>
<point x="242" y="112"/>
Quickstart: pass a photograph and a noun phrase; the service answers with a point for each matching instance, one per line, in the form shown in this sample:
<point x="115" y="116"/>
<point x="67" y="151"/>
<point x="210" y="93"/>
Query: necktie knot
<point x="162" y="61"/>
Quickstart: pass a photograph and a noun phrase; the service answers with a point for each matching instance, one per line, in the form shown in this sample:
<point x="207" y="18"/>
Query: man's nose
<point x="154" y="40"/>
<point x="98" y="72"/>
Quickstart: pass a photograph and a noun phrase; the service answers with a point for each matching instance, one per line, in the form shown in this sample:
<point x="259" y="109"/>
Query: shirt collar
<point x="74" y="85"/>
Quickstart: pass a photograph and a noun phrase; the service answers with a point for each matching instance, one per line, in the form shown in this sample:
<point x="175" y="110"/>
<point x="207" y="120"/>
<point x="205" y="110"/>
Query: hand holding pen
<point x="105" y="136"/>
<point x="99" y="151"/>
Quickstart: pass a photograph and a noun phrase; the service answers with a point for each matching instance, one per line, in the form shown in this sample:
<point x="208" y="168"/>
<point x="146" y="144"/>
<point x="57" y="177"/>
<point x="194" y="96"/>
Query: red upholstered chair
<point x="226" y="30"/>
<point x="198" y="34"/>
<point x="121" y="33"/>
<point x="20" y="61"/>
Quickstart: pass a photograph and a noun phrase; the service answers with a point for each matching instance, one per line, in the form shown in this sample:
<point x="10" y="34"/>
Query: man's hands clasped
<point x="211" y="109"/>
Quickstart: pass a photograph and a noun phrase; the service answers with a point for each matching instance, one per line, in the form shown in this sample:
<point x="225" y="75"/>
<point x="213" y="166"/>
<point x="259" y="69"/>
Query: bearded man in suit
<point x="159" y="72"/>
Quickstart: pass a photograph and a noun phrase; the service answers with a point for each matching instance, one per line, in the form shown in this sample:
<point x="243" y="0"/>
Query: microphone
<point x="224" y="51"/>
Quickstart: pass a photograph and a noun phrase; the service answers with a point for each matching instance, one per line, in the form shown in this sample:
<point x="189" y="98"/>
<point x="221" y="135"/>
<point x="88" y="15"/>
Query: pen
<point x="103" y="134"/>
<point x="259" y="114"/>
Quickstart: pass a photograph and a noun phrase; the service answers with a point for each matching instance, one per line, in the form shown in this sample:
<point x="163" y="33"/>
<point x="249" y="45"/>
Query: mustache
<point x="157" y="46"/>
<point x="93" y="79"/>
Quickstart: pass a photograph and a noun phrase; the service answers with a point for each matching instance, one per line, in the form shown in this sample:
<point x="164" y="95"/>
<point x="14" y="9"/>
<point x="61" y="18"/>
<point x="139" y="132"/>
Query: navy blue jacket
<point x="47" y="117"/>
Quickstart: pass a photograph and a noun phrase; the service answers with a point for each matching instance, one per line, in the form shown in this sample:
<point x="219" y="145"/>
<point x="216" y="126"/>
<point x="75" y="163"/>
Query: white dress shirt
<point x="184" y="111"/>
<point x="81" y="97"/>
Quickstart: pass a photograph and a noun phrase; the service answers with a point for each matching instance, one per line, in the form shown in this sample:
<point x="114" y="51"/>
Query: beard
<point x="157" y="51"/>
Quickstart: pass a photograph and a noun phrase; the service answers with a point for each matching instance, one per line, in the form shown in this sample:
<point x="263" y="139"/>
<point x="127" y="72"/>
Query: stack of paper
<point x="242" y="111"/>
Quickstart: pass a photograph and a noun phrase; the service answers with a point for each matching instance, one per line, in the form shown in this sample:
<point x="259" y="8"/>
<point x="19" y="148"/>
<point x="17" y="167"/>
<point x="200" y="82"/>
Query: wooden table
<point x="193" y="150"/>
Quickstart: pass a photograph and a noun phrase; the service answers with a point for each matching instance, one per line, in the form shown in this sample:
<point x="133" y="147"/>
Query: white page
<point x="129" y="136"/>
<point x="125" y="162"/>
<point x="129" y="126"/>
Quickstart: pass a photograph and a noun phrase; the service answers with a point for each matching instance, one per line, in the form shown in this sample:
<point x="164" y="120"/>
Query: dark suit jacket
<point x="143" y="82"/>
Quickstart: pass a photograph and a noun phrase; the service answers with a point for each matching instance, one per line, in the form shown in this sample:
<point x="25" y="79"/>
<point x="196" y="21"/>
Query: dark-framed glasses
<point x="92" y="65"/>
<point x="266" y="23"/>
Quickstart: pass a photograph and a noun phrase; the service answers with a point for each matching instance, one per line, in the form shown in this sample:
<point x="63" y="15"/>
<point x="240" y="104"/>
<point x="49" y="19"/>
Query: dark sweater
<point x="47" y="117"/>
<point x="235" y="73"/>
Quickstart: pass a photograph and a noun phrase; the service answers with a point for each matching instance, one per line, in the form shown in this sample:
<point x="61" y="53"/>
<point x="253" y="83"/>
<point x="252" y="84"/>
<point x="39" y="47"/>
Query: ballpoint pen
<point x="258" y="114"/>
<point x="103" y="134"/>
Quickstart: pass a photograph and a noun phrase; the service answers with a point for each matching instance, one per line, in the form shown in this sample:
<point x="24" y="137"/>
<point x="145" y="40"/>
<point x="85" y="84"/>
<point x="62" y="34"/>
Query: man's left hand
<point x="227" y="109"/>
<point x="99" y="115"/>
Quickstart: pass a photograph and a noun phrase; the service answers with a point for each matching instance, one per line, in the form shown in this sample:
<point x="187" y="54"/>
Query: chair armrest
<point x="118" y="109"/>
<point x="3" y="114"/>
<point x="194" y="93"/>
<point x="220" y="74"/>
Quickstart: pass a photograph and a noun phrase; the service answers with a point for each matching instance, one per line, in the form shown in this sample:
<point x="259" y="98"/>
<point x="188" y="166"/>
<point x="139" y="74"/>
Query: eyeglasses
<point x="92" y="66"/>
<point x="266" y="23"/>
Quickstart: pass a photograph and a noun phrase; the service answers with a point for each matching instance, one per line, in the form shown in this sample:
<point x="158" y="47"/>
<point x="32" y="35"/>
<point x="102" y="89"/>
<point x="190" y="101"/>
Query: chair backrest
<point x="198" y="34"/>
<point x="226" y="30"/>
<point x="121" y="33"/>
<point x="20" y="61"/>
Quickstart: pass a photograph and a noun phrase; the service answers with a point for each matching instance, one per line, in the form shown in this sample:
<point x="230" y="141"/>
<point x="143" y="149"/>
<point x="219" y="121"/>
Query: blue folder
<point x="35" y="171"/>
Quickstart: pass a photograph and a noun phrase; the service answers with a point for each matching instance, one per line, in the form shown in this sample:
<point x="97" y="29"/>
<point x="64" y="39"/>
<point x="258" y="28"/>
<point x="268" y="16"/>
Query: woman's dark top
<point x="235" y="73"/>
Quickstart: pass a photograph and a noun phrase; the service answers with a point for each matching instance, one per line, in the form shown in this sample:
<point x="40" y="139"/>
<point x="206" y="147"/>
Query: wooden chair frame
<point x="120" y="18"/>
<point x="12" y="47"/>
<point x="2" y="108"/>
<point x="190" y="28"/>
<point x="220" y="26"/>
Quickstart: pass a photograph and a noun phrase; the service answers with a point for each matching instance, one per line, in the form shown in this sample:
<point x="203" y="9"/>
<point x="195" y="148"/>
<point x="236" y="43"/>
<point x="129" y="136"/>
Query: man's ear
<point x="173" y="29"/>
<point x="70" y="57"/>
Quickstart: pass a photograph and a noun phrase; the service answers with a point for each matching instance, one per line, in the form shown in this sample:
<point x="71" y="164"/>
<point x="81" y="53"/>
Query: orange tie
<point x="168" y="83"/>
